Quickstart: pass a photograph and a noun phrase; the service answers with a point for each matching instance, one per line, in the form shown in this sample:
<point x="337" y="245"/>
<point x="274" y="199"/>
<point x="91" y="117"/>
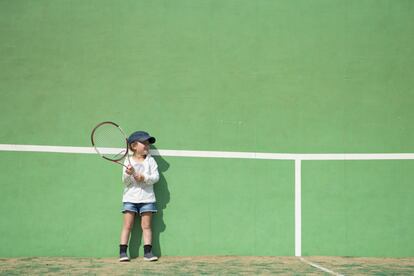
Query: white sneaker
<point x="123" y="257"/>
<point x="150" y="257"/>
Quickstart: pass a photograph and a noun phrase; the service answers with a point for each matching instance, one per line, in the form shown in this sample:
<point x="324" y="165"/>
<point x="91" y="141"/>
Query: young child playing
<point x="139" y="197"/>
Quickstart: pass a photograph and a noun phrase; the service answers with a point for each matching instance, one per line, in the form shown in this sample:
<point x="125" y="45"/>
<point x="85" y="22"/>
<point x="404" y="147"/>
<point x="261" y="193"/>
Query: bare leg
<point x="146" y="227"/>
<point x="127" y="227"/>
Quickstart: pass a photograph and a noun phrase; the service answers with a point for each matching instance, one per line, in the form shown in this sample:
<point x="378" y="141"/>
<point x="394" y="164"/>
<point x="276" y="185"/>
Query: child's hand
<point x="139" y="177"/>
<point x="129" y="170"/>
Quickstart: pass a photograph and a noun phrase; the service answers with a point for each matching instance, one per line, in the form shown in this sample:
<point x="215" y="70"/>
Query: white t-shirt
<point x="140" y="192"/>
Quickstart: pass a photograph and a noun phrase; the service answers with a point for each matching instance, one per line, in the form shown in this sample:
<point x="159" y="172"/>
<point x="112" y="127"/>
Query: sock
<point x="147" y="248"/>
<point x="123" y="248"/>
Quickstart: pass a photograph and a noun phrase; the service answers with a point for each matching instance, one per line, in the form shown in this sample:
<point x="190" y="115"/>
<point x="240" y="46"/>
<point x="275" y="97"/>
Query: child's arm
<point x="153" y="176"/>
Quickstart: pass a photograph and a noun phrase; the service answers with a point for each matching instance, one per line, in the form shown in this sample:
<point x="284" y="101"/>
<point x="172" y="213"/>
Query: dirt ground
<point x="207" y="266"/>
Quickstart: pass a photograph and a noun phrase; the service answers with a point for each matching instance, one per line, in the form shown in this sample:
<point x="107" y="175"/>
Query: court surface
<point x="209" y="266"/>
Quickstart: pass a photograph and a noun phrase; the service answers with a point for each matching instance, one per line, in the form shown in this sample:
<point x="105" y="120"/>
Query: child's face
<point x="141" y="148"/>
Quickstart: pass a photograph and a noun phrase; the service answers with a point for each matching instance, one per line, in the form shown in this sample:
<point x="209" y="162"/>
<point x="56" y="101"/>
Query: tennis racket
<point x="110" y="142"/>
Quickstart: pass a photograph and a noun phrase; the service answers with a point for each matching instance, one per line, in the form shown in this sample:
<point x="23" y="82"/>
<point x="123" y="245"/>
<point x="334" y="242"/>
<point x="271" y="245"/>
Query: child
<point x="139" y="197"/>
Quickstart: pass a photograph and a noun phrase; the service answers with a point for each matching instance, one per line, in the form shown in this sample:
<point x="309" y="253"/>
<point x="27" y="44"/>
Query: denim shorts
<point x="139" y="207"/>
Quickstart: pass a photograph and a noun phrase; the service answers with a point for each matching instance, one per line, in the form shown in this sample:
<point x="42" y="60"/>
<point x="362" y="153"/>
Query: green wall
<point x="323" y="76"/>
<point x="358" y="208"/>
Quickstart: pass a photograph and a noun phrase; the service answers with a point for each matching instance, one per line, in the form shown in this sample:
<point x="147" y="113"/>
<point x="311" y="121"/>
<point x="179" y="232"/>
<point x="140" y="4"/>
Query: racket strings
<point x="110" y="142"/>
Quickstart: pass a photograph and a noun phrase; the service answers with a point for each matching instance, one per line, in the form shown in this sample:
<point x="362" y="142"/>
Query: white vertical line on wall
<point x="298" y="208"/>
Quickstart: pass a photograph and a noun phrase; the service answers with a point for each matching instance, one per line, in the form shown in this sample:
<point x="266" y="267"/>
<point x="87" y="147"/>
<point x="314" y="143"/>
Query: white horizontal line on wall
<point x="219" y="154"/>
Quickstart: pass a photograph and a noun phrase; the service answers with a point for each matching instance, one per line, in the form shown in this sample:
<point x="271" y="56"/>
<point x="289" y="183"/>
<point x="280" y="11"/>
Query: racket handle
<point x="134" y="173"/>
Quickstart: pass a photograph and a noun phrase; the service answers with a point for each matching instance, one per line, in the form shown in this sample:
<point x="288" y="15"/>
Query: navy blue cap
<point x="140" y="136"/>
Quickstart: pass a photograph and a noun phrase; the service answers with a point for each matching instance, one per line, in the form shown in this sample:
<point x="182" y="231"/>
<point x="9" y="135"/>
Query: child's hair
<point x="130" y="146"/>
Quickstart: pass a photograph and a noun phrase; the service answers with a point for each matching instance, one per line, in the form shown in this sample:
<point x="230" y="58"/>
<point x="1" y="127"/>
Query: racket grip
<point x="129" y="167"/>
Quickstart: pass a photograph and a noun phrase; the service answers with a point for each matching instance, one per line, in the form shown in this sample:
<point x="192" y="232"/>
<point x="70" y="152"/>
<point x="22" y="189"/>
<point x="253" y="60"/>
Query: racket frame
<point x="126" y="144"/>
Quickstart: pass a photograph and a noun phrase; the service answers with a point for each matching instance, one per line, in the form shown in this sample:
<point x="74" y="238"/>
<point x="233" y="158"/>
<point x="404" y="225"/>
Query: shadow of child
<point x="158" y="226"/>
